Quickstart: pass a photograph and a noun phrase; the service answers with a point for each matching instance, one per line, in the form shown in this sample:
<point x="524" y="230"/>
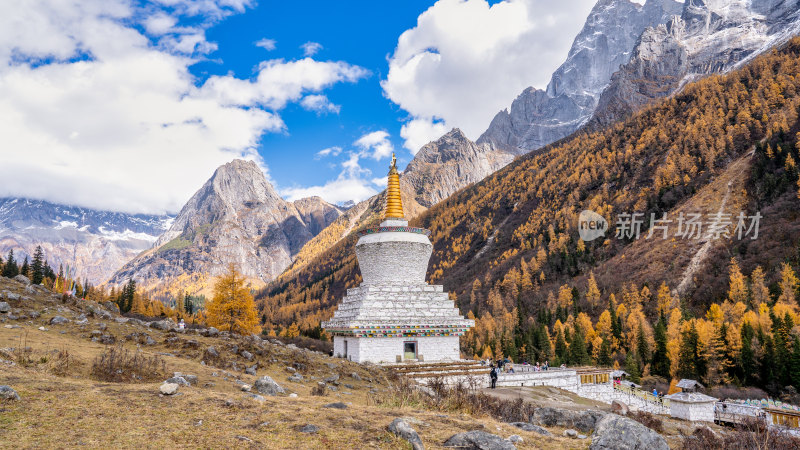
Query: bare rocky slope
<point x="236" y="217"/>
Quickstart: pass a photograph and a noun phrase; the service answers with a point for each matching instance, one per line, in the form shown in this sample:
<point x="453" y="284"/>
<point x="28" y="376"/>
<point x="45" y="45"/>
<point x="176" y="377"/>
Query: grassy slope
<point x="77" y="410"/>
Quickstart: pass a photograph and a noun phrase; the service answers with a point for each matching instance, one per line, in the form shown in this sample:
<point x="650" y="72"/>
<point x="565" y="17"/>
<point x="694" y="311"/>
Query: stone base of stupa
<point x="395" y="349"/>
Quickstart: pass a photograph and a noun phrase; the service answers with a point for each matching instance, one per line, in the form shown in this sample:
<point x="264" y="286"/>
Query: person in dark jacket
<point x="493" y="375"/>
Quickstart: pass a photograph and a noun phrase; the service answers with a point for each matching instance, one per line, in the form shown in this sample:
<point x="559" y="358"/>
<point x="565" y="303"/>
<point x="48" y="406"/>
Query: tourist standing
<point x="493" y="375"/>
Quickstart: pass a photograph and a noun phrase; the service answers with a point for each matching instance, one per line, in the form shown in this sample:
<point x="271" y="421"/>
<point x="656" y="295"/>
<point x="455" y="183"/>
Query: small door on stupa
<point x="409" y="350"/>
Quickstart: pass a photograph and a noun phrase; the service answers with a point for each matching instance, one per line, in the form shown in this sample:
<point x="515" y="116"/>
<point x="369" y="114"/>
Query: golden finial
<point x="394" y="204"/>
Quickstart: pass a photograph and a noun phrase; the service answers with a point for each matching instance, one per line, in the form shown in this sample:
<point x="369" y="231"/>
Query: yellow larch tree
<point x="758" y="287"/>
<point x="737" y="287"/>
<point x="789" y="284"/>
<point x="232" y="307"/>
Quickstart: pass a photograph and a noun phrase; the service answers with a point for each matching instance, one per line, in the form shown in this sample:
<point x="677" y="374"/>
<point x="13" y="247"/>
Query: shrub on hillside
<point x="751" y="435"/>
<point x="649" y="420"/>
<point x="120" y="365"/>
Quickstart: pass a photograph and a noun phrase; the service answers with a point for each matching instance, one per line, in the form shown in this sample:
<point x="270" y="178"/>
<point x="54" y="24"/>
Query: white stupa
<point x="394" y="315"/>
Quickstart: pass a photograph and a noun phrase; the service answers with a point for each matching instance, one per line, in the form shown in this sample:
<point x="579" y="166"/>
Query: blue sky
<point x="130" y="105"/>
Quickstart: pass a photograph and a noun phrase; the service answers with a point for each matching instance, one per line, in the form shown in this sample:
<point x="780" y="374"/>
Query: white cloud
<point x="418" y="132"/>
<point x="266" y="44"/>
<point x="465" y="60"/>
<point x="340" y="190"/>
<point x="319" y="103"/>
<point x="95" y="114"/>
<point x="330" y="151"/>
<point x="311" y="48"/>
<point x="376" y="145"/>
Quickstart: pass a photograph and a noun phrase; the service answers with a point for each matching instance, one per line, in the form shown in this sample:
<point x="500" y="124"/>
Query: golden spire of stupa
<point x="394" y="204"/>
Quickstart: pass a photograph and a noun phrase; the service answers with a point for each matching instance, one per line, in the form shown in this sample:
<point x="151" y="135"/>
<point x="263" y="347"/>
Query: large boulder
<point x="112" y="306"/>
<point x="168" y="388"/>
<point x="22" y="279"/>
<point x="178" y="380"/>
<point x="404" y="431"/>
<point x="163" y="325"/>
<point x="556" y="417"/>
<point x="615" y="432"/>
<point x="478" y="440"/>
<point x="531" y="427"/>
<point x="7" y="393"/>
<point x="5" y="307"/>
<point x="268" y="386"/>
<point x="59" y="320"/>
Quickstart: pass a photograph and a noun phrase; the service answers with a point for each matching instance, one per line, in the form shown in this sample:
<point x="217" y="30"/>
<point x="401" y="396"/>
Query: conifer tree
<point x="592" y="291"/>
<point x="661" y="365"/>
<point x="789" y="283"/>
<point x="232" y="307"/>
<point x="560" y="349"/>
<point x="37" y="267"/>
<point x="691" y="364"/>
<point x="26" y="268"/>
<point x="632" y="367"/>
<point x="604" y="356"/>
<point x="737" y="287"/>
<point x="577" y="350"/>
<point x="10" y="268"/>
<point x="642" y="348"/>
<point x="747" y="362"/>
<point x="758" y="288"/>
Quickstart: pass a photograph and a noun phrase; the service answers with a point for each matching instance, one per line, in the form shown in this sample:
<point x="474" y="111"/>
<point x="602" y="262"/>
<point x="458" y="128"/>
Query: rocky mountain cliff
<point x="236" y="217"/>
<point x="96" y="243"/>
<point x="537" y="117"/>
<point x="710" y="36"/>
<point x="449" y="163"/>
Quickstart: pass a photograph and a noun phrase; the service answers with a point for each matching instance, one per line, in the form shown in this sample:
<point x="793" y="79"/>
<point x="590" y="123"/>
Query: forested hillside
<point x="508" y="248"/>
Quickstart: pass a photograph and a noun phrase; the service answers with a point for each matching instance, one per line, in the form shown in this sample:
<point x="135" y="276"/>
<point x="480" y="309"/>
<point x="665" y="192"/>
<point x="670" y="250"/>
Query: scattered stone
<point x="251" y="370"/>
<point x="403" y="430"/>
<point x="531" y="427"/>
<point x="192" y="379"/>
<point x="331" y="365"/>
<point x="102" y="326"/>
<point x="22" y="279"/>
<point x="210" y="332"/>
<point x="245" y="387"/>
<point x="295" y="378"/>
<point x="268" y="386"/>
<point x="581" y="436"/>
<point x="331" y="378"/>
<point x="59" y="320"/>
<point x="515" y="438"/>
<point x="178" y="380"/>
<point x="291" y="369"/>
<point x="42" y="329"/>
<point x="163" y="325"/>
<point x="149" y="341"/>
<point x="309" y="429"/>
<point x="620" y="408"/>
<point x="247" y="355"/>
<point x="355" y="376"/>
<point x="337" y="405"/>
<point x="299" y="366"/>
<point x="214" y="374"/>
<point x="256" y="397"/>
<point x="12" y="296"/>
<point x="4" y="307"/>
<point x="293" y="395"/>
<point x="212" y="352"/>
<point x="121" y="320"/>
<point x="570" y="433"/>
<point x="243" y="438"/>
<point x="7" y="393"/>
<point x="615" y="432"/>
<point x="113" y="307"/>
<point x="479" y="440"/>
<point x="229" y="402"/>
<point x="168" y="388"/>
<point x="580" y="420"/>
<point x="33" y="314"/>
<point x="263" y="425"/>
<point x="83" y="321"/>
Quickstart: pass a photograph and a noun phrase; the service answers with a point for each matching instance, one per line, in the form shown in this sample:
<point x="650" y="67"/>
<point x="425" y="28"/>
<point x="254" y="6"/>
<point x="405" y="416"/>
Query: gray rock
<point x="178" y="380"/>
<point x="337" y="405"/>
<point x="191" y="379"/>
<point x="121" y="320"/>
<point x="295" y="378"/>
<point x="256" y="397"/>
<point x="515" y="438"/>
<point x="247" y="355"/>
<point x="112" y="306"/>
<point x="149" y="341"/>
<point x="22" y="279"/>
<point x="570" y="433"/>
<point x="4" y="307"/>
<point x="82" y="321"/>
<point x="7" y="393"/>
<point x="620" y="408"/>
<point x="580" y="420"/>
<point x="615" y="432"/>
<point x="581" y="436"/>
<point x="251" y="370"/>
<point x="309" y="429"/>
<point x="212" y="352"/>
<point x="102" y="326"/>
<point x="268" y="386"/>
<point x="168" y="388"/>
<point x="355" y="376"/>
<point x="245" y="387"/>
<point x="331" y="378"/>
<point x="210" y="332"/>
<point x="478" y="440"/>
<point x="12" y="296"/>
<point x="59" y="320"/>
<point x="531" y="427"/>
<point x="403" y="430"/>
<point x="163" y="325"/>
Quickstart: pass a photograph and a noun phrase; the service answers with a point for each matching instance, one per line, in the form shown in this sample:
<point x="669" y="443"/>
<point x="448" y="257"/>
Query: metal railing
<point x="644" y="395"/>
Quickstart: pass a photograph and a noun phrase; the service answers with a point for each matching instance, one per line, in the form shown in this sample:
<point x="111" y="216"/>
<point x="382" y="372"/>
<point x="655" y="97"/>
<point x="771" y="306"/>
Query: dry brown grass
<point x="120" y="365"/>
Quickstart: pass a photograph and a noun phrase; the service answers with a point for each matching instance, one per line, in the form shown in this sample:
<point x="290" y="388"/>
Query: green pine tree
<point x="661" y="363"/>
<point x="10" y="268"/>
<point x="577" y="350"/>
<point x="26" y="268"/>
<point x="747" y="368"/>
<point x="632" y="367"/>
<point x="690" y="363"/>
<point x="560" y="350"/>
<point x="604" y="356"/>
<point x="37" y="267"/>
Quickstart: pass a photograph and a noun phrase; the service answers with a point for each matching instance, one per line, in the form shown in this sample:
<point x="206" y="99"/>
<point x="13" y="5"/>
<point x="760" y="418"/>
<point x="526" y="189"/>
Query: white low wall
<point x="386" y="350"/>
